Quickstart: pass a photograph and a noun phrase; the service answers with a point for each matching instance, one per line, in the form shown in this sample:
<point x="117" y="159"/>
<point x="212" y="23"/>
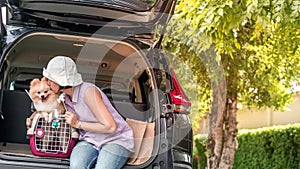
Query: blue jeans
<point x="111" y="156"/>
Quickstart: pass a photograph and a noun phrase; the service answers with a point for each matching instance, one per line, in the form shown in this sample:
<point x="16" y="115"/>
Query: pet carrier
<point x="51" y="137"/>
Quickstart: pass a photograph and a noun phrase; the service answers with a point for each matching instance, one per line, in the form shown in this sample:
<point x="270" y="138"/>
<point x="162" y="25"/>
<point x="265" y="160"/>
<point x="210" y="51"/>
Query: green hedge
<point x="271" y="147"/>
<point x="264" y="148"/>
<point x="199" y="152"/>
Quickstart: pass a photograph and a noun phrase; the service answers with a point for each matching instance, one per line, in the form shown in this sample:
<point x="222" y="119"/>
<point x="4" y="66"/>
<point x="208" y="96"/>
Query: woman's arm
<point x="105" y="124"/>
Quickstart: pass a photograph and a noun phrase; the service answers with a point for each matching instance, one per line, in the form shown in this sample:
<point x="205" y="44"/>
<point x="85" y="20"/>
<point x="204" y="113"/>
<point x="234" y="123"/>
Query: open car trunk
<point x="118" y="67"/>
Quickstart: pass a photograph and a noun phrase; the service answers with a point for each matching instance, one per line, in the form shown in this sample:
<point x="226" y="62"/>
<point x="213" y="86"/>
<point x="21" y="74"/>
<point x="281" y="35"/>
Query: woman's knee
<point x="112" y="156"/>
<point x="83" y="156"/>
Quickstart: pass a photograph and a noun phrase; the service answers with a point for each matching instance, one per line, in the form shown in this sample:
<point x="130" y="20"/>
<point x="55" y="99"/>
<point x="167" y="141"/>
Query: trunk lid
<point x="79" y="15"/>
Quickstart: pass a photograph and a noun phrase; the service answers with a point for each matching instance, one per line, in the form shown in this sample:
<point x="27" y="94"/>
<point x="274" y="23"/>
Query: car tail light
<point x="180" y="101"/>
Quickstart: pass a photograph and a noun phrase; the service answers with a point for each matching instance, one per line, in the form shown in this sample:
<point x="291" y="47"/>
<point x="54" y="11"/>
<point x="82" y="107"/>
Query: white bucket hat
<point x="62" y="70"/>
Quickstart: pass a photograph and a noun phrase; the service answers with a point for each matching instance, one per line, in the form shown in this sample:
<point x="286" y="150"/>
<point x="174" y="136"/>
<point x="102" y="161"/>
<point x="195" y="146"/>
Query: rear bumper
<point x="182" y="166"/>
<point x="16" y="162"/>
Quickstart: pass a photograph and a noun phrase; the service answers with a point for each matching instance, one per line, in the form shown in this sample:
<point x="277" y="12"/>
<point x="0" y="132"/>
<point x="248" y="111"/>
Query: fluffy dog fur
<point x="45" y="101"/>
<point x="43" y="98"/>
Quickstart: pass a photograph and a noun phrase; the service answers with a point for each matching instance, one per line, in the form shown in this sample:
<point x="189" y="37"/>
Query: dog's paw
<point x="28" y="122"/>
<point x="45" y="115"/>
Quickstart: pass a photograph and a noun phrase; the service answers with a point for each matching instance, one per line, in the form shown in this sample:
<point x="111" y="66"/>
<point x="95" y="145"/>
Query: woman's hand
<point x="72" y="119"/>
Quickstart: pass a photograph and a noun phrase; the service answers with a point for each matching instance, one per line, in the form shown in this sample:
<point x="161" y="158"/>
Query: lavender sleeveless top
<point x="123" y="135"/>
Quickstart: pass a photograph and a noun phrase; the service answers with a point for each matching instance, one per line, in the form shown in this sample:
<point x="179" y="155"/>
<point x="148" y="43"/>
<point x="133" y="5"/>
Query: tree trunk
<point x="230" y="136"/>
<point x="215" y="138"/>
<point x="222" y="142"/>
<point x="222" y="138"/>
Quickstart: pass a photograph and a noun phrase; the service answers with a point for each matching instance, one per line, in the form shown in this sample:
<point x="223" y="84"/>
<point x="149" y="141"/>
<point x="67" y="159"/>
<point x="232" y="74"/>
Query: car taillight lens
<point x="180" y="101"/>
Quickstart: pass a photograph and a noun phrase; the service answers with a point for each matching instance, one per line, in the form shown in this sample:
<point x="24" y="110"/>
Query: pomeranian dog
<point x="44" y="99"/>
<point x="45" y="102"/>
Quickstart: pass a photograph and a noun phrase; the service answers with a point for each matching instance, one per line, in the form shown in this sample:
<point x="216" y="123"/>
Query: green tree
<point x="243" y="51"/>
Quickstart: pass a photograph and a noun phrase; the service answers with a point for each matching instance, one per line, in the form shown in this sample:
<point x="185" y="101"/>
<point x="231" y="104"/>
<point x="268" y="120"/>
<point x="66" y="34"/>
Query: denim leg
<point x="112" y="156"/>
<point x="83" y="156"/>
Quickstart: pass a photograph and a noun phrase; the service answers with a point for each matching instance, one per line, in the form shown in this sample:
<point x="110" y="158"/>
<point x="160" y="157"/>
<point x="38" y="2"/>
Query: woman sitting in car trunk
<point x="105" y="138"/>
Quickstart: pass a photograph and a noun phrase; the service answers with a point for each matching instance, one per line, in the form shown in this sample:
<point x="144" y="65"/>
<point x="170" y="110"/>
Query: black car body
<point x="115" y="46"/>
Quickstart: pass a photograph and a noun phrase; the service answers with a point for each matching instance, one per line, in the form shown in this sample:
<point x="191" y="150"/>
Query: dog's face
<point x="40" y="91"/>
